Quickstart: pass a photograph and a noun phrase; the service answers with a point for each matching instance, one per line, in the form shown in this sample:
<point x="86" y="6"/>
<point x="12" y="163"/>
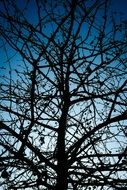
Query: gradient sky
<point x="117" y="5"/>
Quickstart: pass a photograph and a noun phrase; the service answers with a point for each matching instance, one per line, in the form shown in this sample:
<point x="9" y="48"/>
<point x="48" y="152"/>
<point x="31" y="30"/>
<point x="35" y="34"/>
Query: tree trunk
<point x="61" y="158"/>
<point x="62" y="169"/>
<point x="62" y="183"/>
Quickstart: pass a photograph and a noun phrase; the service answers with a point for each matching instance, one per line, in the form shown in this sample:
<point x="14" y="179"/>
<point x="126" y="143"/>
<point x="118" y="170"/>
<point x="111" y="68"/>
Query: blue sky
<point x="120" y="5"/>
<point x="117" y="5"/>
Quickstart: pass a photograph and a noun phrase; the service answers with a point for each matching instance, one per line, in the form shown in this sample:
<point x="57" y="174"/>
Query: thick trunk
<point x="62" y="169"/>
<point x="62" y="160"/>
<point x="62" y="183"/>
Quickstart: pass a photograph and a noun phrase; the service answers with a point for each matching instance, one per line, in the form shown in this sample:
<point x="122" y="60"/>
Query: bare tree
<point x="63" y="95"/>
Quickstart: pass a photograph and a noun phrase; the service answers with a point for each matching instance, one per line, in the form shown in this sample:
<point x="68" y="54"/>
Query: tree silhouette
<point x="63" y="95"/>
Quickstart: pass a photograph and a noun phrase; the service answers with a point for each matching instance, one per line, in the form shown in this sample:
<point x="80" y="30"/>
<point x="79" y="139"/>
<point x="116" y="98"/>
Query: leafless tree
<point x="63" y="95"/>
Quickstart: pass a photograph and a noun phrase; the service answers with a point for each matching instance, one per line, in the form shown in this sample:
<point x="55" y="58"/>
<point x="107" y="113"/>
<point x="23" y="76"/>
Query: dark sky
<point x="120" y="6"/>
<point x="117" y="5"/>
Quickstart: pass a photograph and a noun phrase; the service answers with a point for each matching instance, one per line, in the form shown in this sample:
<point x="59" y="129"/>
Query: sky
<point x="120" y="5"/>
<point x="117" y="6"/>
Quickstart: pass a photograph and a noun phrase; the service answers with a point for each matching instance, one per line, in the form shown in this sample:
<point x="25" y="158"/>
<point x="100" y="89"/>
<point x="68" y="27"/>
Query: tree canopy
<point x="63" y="95"/>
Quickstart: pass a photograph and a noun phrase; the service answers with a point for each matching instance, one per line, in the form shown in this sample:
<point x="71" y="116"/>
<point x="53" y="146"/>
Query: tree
<point x="63" y="95"/>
